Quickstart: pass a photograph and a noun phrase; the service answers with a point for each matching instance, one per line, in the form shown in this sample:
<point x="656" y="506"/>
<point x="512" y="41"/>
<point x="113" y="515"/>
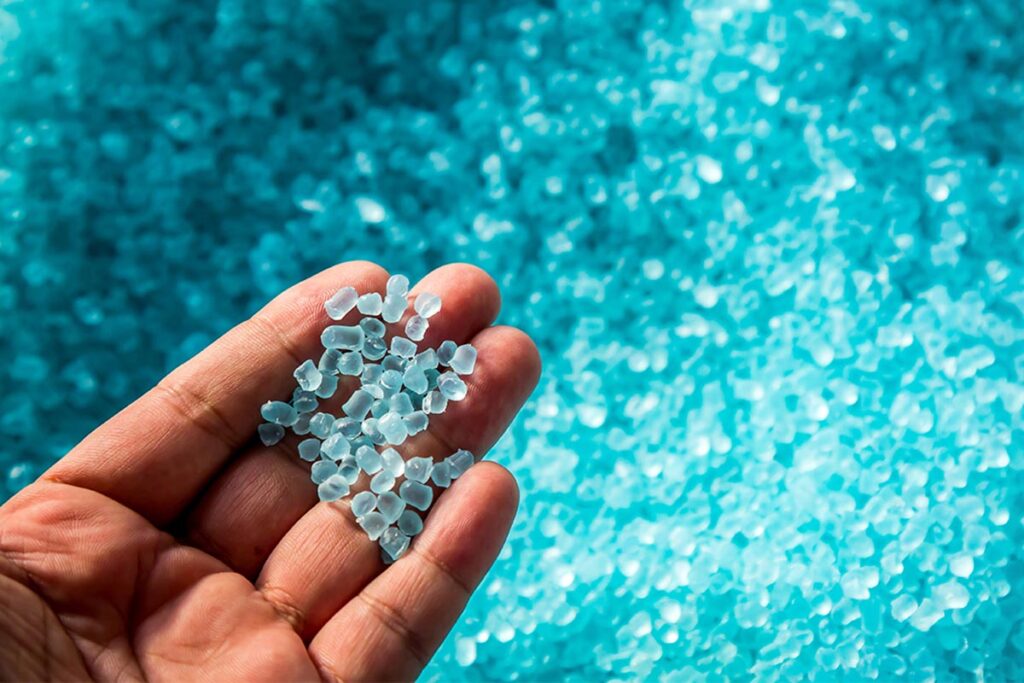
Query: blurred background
<point x="771" y="251"/>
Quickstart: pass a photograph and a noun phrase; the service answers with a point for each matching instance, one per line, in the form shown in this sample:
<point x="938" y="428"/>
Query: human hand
<point x="171" y="545"/>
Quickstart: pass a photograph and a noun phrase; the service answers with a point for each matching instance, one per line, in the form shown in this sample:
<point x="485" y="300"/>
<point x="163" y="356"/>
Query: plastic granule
<point x="451" y="386"/>
<point x="410" y="523"/>
<point x="309" y="449"/>
<point x="332" y="489"/>
<point x="362" y="503"/>
<point x="335" y="447"/>
<point x="270" y="434"/>
<point x="397" y="286"/>
<point x="382" y="482"/>
<point x="350" y="337"/>
<point x="373" y="524"/>
<point x="320" y="425"/>
<point x="427" y="305"/>
<point x="390" y="506"/>
<point x="394" y="543"/>
<point x="446" y="351"/>
<point x="322" y="470"/>
<point x="368" y="459"/>
<point x="370" y="304"/>
<point x="459" y="462"/>
<point x="416" y="494"/>
<point x="464" y="359"/>
<point x="418" y="469"/>
<point x="402" y="347"/>
<point x="393" y="308"/>
<point x="308" y="376"/>
<point x="279" y="413"/>
<point x="341" y="303"/>
<point x="416" y="328"/>
<point x="770" y="253"/>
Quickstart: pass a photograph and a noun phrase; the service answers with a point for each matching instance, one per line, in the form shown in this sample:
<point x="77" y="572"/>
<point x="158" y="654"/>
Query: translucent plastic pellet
<point x="397" y="285"/>
<point x="374" y="348"/>
<point x="322" y="470"/>
<point x="301" y="426"/>
<point x="382" y="482"/>
<point x="380" y="407"/>
<point x="306" y="402"/>
<point x="451" y="386"/>
<point x="358" y="405"/>
<point x="373" y="327"/>
<point x="279" y="413"/>
<point x="373" y="524"/>
<point x="350" y="363"/>
<point x="416" y="328"/>
<point x="446" y="351"/>
<point x="459" y="462"/>
<point x="393" y="362"/>
<point x="327" y="387"/>
<point x="441" y="474"/>
<point x="335" y="447"/>
<point x="393" y="461"/>
<point x="415" y="379"/>
<point x="347" y="427"/>
<point x="329" y="361"/>
<point x="393" y="309"/>
<point x="369" y="459"/>
<point x="392" y="379"/>
<point x="349" y="470"/>
<point x="363" y="503"/>
<point x="343" y="301"/>
<point x="434" y="403"/>
<point x="346" y="337"/>
<point x="371" y="373"/>
<point x="417" y="495"/>
<point x="402" y="347"/>
<point x="390" y="506"/>
<point x="392" y="426"/>
<point x="373" y="433"/>
<point x="427" y="304"/>
<point x="308" y="376"/>
<point x="370" y="304"/>
<point x="416" y="422"/>
<point x="418" y="469"/>
<point x="270" y="433"/>
<point x="464" y="359"/>
<point x="426" y="358"/>
<point x="410" y="523"/>
<point x="394" y="543"/>
<point x="401" y="404"/>
<point x="320" y="425"/>
<point x="309" y="449"/>
<point x="332" y="489"/>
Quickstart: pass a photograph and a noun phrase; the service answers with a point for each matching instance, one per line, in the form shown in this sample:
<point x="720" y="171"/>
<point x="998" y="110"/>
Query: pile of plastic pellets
<point x="771" y="251"/>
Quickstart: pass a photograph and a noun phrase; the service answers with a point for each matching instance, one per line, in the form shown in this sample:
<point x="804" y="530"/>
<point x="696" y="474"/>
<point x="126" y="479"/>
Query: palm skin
<point x="168" y="545"/>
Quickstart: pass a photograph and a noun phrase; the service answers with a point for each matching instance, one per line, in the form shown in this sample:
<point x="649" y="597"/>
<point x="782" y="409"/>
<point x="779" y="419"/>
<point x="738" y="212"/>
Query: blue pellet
<point x="309" y="449"/>
<point x="270" y="433"/>
<point x="279" y="413"/>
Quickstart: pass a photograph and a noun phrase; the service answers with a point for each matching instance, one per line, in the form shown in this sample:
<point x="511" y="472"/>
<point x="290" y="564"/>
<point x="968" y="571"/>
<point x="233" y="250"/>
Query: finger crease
<point x="390" y="618"/>
<point x="270" y="326"/>
<point x="285" y="605"/>
<point x="443" y="568"/>
<point x="183" y="401"/>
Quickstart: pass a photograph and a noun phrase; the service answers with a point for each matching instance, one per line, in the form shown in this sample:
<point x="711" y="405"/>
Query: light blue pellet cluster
<point x="393" y="402"/>
<point x="771" y="251"/>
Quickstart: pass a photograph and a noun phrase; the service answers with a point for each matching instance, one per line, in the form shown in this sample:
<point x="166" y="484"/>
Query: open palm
<point x="170" y="545"/>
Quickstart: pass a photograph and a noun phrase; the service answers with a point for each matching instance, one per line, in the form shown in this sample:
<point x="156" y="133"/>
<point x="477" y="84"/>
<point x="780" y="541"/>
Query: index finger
<point x="158" y="453"/>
